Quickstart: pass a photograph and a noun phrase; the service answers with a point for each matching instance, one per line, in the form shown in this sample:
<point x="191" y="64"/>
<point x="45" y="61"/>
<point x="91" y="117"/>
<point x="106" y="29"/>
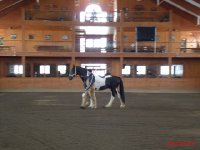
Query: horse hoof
<point x="122" y="106"/>
<point x="107" y="106"/>
<point x="82" y="107"/>
<point x="93" y="107"/>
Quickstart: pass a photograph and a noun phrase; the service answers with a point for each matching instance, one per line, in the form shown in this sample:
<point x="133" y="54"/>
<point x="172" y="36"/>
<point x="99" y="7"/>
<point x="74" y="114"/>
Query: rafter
<point x="11" y="5"/>
<point x="159" y="2"/>
<point x="181" y="8"/>
<point x="193" y="3"/>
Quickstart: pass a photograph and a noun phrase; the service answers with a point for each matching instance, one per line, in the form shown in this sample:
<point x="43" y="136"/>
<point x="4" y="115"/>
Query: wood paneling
<point x="168" y="34"/>
<point x="137" y="84"/>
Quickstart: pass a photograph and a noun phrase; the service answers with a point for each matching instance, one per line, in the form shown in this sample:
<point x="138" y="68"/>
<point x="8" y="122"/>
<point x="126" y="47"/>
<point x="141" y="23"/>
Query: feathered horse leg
<point x="113" y="94"/>
<point x="89" y="99"/>
<point x="85" y="100"/>
<point x="93" y="100"/>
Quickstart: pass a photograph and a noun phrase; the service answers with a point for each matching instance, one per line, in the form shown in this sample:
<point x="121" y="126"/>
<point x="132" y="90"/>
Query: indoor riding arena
<point x="151" y="46"/>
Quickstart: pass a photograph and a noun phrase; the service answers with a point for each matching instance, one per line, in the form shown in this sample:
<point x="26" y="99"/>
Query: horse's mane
<point x="79" y="67"/>
<point x="81" y="70"/>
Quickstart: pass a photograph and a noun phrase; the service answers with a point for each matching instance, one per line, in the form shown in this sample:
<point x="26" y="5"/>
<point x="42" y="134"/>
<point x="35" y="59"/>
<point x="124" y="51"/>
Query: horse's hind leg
<point x="122" y="105"/>
<point x="113" y="93"/>
<point x="110" y="102"/>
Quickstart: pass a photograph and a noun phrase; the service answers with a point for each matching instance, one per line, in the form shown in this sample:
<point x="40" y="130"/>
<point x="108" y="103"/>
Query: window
<point x="64" y="37"/>
<point x="177" y="70"/>
<point x="96" y="43"/>
<point x="82" y="44"/>
<point x="44" y="69"/>
<point x="151" y="71"/>
<point x="48" y="37"/>
<point x="90" y="43"/>
<point x="62" y="70"/>
<point x="99" y="44"/>
<point x="13" y="36"/>
<point x="164" y="70"/>
<point x="93" y="13"/>
<point x="126" y="71"/>
<point x="15" y="70"/>
<point x="141" y="70"/>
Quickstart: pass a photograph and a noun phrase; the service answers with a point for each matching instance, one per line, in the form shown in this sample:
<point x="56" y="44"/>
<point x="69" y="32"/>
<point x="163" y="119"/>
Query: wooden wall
<point x="180" y="19"/>
<point x="39" y="39"/>
<point x="179" y="28"/>
<point x="191" y="67"/>
<point x="164" y="35"/>
<point x="55" y="4"/>
<point x="131" y="84"/>
<point x="130" y="4"/>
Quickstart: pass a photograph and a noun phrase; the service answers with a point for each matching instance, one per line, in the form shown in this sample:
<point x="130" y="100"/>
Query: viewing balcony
<point x="103" y="17"/>
<point x="52" y="15"/>
<point x="146" y="16"/>
<point x="7" y="50"/>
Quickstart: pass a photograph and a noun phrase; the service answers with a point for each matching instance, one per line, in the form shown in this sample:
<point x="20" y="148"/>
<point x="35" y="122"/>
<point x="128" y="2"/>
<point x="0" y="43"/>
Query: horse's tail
<point x="121" y="91"/>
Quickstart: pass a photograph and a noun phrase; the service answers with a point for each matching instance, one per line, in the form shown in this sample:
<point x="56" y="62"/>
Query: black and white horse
<point x="95" y="82"/>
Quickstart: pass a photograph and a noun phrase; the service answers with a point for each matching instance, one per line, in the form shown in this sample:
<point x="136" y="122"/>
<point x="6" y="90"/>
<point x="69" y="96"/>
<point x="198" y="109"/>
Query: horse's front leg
<point x="85" y="100"/>
<point x="88" y="102"/>
<point x="93" y="100"/>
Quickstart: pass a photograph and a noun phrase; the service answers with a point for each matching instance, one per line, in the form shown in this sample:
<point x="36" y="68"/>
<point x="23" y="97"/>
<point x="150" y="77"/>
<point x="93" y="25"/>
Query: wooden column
<point x="122" y="16"/>
<point x="121" y="65"/>
<point x="32" y="70"/>
<point x="121" y="39"/>
<point x="73" y="62"/>
<point x="23" y="62"/>
<point x="23" y="30"/>
<point x="169" y="64"/>
<point x="121" y="31"/>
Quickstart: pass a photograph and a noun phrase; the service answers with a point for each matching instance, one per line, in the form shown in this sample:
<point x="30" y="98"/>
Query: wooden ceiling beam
<point x="185" y="8"/>
<point x="9" y="5"/>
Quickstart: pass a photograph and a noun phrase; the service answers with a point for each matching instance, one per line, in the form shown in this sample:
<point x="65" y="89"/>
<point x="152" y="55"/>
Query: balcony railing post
<point x="121" y="16"/>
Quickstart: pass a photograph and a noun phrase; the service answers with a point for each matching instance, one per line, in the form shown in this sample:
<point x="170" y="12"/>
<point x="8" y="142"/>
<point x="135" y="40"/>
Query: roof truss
<point x="192" y="2"/>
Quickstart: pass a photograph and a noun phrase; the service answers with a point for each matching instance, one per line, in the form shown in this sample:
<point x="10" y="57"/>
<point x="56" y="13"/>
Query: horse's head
<point x="72" y="73"/>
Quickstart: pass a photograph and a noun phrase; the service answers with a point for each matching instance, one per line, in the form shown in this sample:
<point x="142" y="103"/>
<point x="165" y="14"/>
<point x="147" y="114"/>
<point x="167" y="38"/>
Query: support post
<point x="23" y="62"/>
<point x="170" y="65"/>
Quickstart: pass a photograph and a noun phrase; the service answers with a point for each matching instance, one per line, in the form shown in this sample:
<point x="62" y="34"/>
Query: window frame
<point x="17" y="70"/>
<point x="143" y="74"/>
